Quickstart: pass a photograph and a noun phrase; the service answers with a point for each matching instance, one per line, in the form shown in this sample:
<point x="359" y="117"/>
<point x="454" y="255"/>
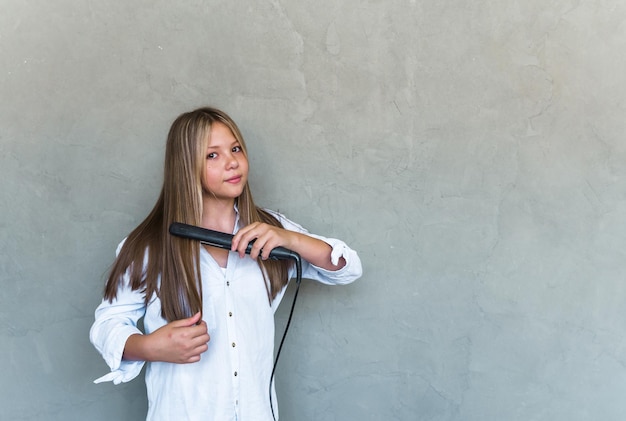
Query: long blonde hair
<point x="150" y="253"/>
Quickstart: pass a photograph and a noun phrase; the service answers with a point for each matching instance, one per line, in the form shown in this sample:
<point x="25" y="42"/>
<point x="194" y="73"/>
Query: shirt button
<point x="230" y="314"/>
<point x="227" y="283"/>
<point x="233" y="344"/>
<point x="235" y="374"/>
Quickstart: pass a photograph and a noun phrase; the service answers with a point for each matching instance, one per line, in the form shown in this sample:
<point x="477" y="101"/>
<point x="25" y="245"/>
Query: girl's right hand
<point x="181" y="342"/>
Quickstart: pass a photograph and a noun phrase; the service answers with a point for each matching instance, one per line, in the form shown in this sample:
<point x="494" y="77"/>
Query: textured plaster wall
<point x="474" y="153"/>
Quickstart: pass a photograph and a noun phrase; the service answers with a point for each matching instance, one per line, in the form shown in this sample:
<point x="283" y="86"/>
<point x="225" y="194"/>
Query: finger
<point x="190" y="321"/>
<point x="195" y="353"/>
<point x="260" y="244"/>
<point x="271" y="240"/>
<point x="265" y="252"/>
<point x="238" y="244"/>
<point x="268" y="244"/>
<point x="198" y="332"/>
<point x="263" y="249"/>
<point x="201" y="349"/>
<point x="192" y="359"/>
<point x="204" y="339"/>
<point x="245" y="242"/>
<point x="251" y="236"/>
<point x="238" y="238"/>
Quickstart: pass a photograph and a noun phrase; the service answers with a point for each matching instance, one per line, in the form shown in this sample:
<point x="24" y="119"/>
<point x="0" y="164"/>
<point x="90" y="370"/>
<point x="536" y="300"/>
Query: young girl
<point x="208" y="313"/>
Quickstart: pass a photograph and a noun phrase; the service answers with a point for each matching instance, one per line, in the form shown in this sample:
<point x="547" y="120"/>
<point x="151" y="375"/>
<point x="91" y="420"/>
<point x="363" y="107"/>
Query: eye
<point x="237" y="148"/>
<point x="211" y="155"/>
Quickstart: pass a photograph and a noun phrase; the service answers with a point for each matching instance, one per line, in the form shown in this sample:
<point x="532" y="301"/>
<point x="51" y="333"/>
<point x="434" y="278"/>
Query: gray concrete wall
<point x="472" y="152"/>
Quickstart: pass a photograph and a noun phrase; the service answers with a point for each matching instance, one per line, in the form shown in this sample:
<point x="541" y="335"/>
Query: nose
<point x="232" y="162"/>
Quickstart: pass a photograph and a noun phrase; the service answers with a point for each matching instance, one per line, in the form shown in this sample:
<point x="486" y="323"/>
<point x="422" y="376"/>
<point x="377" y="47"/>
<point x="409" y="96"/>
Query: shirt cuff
<point x="122" y="371"/>
<point x="352" y="269"/>
<point x="128" y="370"/>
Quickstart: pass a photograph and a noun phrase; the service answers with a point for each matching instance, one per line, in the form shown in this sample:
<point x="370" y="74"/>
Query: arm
<point x="326" y="260"/>
<point x="114" y="323"/>
<point x="125" y="348"/>
<point x="181" y="341"/>
<point x="267" y="237"/>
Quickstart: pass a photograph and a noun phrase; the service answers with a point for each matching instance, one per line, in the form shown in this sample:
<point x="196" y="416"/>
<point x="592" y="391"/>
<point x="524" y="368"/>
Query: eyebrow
<point x="236" y="142"/>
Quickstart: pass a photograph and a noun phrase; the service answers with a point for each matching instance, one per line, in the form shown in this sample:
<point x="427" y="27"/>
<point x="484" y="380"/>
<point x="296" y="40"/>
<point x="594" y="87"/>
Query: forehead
<point x="220" y="134"/>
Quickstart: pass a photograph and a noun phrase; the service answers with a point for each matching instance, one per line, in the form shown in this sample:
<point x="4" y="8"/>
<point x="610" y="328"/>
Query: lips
<point x="234" y="180"/>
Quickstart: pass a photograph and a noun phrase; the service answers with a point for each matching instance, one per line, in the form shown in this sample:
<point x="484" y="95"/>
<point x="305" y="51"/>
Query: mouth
<point x="234" y="180"/>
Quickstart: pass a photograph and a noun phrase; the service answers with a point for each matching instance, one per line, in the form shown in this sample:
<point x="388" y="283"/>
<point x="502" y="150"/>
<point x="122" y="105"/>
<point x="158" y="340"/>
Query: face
<point x="226" y="166"/>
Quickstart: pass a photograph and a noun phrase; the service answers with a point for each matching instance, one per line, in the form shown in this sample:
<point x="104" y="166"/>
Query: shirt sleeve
<point x="347" y="274"/>
<point x="114" y="323"/>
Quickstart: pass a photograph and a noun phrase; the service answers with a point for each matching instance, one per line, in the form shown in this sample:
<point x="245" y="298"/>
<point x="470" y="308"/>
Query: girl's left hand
<point x="266" y="237"/>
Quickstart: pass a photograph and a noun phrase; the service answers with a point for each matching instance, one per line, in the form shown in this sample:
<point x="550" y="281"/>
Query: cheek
<point x="209" y="176"/>
<point x="243" y="165"/>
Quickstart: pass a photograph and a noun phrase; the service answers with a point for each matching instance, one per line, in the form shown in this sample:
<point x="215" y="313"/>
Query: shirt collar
<point x="236" y="227"/>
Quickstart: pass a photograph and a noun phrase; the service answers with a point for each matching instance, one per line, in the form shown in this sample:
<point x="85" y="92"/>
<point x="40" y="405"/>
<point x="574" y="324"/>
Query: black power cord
<point x="295" y="256"/>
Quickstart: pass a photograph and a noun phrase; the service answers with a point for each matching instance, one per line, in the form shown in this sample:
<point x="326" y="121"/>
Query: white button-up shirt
<point x="232" y="379"/>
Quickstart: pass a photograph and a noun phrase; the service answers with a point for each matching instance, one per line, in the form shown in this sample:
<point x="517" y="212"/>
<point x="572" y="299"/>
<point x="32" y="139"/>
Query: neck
<point x="219" y="215"/>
